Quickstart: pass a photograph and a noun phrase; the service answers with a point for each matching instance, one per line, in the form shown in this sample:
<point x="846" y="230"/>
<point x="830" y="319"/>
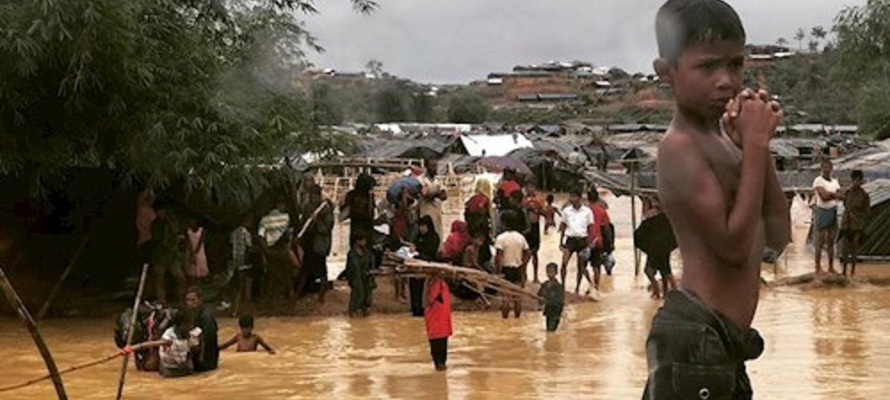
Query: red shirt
<point x="479" y="203"/>
<point x="438" y="313"/>
<point x="600" y="220"/>
<point x="508" y="187"/>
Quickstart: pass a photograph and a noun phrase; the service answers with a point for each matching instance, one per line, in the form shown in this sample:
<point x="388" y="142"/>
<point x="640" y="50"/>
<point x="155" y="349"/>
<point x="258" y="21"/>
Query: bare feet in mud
<point x="655" y="293"/>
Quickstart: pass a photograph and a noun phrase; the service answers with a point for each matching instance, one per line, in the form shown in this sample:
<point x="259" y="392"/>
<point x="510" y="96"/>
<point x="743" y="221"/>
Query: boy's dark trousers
<point x="695" y="353"/>
<point x="552" y="323"/>
<point x="439" y="350"/>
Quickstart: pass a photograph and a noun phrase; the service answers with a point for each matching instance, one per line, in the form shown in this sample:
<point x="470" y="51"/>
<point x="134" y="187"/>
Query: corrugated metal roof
<point x="548" y="129"/>
<point x="845" y="128"/>
<point x="876" y="157"/>
<point x="634" y="139"/>
<point x="392" y="128"/>
<point x="807" y="128"/>
<point x="878" y="191"/>
<point x="783" y="149"/>
<point x="494" y="145"/>
<point x="459" y="162"/>
<point x="564" y="148"/>
<point x="617" y="184"/>
<point x="398" y="148"/>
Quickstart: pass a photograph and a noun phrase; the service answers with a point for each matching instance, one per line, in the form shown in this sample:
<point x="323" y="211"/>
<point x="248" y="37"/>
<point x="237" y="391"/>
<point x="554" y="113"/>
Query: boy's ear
<point x="663" y="69"/>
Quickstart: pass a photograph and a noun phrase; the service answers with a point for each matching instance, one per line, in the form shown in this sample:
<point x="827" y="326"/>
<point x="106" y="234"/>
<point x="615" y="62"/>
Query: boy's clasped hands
<point x="751" y="118"/>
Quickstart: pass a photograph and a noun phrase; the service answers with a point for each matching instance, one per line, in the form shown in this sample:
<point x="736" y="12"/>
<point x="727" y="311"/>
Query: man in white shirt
<point x="512" y="258"/>
<point x="577" y="220"/>
<point x="827" y="193"/>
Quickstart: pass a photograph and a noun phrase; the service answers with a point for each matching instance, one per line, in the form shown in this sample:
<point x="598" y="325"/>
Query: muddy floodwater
<point x="821" y="343"/>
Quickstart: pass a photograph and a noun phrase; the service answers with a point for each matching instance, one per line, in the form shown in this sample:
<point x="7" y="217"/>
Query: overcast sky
<point x="456" y="41"/>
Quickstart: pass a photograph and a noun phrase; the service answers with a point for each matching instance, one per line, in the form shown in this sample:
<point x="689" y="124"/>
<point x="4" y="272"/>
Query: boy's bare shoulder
<point x="680" y="150"/>
<point x="683" y="167"/>
<point x="677" y="140"/>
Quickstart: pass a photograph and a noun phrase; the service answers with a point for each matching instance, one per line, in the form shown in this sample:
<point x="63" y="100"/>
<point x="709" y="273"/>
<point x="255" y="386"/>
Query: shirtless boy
<point x="720" y="192"/>
<point x="246" y="339"/>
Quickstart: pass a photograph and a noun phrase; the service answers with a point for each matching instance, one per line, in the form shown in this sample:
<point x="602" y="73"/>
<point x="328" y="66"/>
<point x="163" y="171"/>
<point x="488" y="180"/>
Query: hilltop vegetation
<point x="838" y="76"/>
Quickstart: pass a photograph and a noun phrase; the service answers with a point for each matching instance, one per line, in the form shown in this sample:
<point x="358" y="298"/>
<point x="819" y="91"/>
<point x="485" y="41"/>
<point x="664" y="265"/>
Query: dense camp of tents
<point x="622" y="158"/>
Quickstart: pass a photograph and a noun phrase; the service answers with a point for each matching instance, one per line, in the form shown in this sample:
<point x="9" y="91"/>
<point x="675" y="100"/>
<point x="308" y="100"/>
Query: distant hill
<point x="559" y="92"/>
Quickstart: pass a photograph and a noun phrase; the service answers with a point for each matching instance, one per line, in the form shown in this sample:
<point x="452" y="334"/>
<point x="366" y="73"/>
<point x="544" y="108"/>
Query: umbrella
<point x="410" y="183"/>
<point x="502" y="163"/>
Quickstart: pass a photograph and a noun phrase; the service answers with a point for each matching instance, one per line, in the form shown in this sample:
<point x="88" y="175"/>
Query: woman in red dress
<point x="437" y="303"/>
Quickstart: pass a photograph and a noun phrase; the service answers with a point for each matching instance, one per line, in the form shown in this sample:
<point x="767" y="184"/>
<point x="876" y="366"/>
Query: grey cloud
<point x="446" y="41"/>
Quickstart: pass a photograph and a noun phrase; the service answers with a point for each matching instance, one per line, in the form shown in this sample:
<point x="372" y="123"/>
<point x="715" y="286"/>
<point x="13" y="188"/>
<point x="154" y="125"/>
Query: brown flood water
<point x="822" y="343"/>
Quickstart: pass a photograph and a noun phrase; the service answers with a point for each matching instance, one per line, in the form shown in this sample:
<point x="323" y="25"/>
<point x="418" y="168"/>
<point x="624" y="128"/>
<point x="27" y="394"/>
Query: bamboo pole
<point x="135" y="348"/>
<point x="478" y="291"/>
<point x="503" y="286"/>
<point x="503" y="292"/>
<point x="633" y="216"/>
<point x="16" y="302"/>
<point x="58" y="287"/>
<point x="123" y="376"/>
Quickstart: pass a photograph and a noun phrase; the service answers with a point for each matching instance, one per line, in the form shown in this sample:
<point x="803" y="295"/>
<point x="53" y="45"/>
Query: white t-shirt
<point x="830" y="186"/>
<point x="176" y="355"/>
<point x="577" y="220"/>
<point x="512" y="244"/>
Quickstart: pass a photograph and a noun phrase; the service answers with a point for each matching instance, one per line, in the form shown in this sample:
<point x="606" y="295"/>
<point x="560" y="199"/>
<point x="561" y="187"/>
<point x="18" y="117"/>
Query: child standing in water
<point x="247" y="340"/>
<point x="181" y="339"/>
<point x="553" y="294"/>
<point x="437" y="303"/>
<point x="718" y="187"/>
<point x="359" y="262"/>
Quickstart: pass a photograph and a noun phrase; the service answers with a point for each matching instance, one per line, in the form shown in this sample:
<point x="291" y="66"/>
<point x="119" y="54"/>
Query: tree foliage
<point x="375" y="68"/>
<point x="164" y="92"/>
<point x="468" y="108"/>
<point x="423" y="108"/>
<point x="325" y="110"/>
<point x="389" y="105"/>
<point x="863" y="63"/>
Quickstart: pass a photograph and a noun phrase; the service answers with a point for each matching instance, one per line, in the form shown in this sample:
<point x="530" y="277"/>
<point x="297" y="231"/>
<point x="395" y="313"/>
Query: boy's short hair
<point x="593" y="195"/>
<point x="857" y="174"/>
<point x="681" y="24"/>
<point x="576" y="192"/>
<point x="196" y="290"/>
<point x="183" y="316"/>
<point x="552" y="266"/>
<point x="550" y="198"/>
<point x="246" y="321"/>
